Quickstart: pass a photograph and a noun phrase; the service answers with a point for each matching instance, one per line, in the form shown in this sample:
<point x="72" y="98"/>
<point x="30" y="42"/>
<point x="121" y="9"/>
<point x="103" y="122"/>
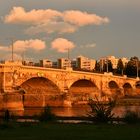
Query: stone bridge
<point x="25" y="86"/>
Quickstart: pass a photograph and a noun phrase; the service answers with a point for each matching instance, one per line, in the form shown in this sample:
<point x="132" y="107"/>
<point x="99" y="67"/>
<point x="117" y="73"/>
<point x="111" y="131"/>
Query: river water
<point x="118" y="111"/>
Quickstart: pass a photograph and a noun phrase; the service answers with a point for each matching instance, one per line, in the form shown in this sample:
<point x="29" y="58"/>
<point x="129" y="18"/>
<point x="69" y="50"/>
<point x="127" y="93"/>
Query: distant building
<point x="85" y="63"/>
<point x="12" y="62"/>
<point x="114" y="61"/>
<point x="124" y="60"/>
<point x="28" y="63"/>
<point x="63" y="63"/>
<point x="46" y="63"/>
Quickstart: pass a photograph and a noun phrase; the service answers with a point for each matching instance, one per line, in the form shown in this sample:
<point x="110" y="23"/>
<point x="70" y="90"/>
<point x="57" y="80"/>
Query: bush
<point x="131" y="117"/>
<point x="47" y="115"/>
<point x="101" y="111"/>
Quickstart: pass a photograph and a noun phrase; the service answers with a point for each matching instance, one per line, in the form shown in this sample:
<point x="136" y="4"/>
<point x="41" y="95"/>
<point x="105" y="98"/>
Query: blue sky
<point x="117" y="32"/>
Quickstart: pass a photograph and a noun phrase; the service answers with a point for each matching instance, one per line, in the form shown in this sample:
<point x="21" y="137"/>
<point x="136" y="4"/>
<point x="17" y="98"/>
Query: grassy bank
<point x="46" y="131"/>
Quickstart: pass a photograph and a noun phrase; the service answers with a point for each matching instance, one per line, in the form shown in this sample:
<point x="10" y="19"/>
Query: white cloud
<point x="4" y="48"/>
<point x="62" y="45"/>
<point x="36" y="45"/>
<point x="18" y="15"/>
<point x="92" y="45"/>
<point x="23" y="45"/>
<point x="83" y="18"/>
<point x="52" y="20"/>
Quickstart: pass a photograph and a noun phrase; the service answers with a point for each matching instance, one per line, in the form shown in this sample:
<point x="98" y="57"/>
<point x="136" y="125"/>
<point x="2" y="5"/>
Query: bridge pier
<point x="13" y="101"/>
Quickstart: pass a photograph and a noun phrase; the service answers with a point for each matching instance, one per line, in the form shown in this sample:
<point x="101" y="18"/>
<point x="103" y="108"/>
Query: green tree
<point x="120" y="67"/>
<point x="110" y="67"/>
<point x="131" y="68"/>
<point x="97" y="66"/>
<point x="107" y="66"/>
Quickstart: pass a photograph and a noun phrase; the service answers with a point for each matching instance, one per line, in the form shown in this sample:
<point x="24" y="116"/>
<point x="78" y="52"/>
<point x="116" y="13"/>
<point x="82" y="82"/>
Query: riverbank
<point x="60" y="131"/>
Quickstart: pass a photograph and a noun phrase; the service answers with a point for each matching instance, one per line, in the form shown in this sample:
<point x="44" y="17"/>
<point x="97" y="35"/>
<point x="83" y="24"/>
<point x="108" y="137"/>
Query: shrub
<point x="47" y="115"/>
<point x="101" y="112"/>
<point x="131" y="117"/>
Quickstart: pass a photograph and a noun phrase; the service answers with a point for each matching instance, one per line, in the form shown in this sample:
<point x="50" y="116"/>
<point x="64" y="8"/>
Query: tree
<point x="97" y="66"/>
<point x="109" y="65"/>
<point x="131" y="68"/>
<point x="101" y="111"/>
<point x="120" y="67"/>
<point x="110" y="68"/>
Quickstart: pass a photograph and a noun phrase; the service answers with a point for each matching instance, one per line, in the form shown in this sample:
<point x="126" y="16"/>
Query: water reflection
<point x="118" y="111"/>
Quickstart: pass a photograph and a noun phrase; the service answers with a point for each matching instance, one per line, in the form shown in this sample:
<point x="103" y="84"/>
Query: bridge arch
<point x="114" y="88"/>
<point x="81" y="90"/>
<point x="36" y="82"/>
<point x="137" y="85"/>
<point x="113" y="84"/>
<point x="40" y="92"/>
<point x="128" y="90"/>
<point x="27" y="76"/>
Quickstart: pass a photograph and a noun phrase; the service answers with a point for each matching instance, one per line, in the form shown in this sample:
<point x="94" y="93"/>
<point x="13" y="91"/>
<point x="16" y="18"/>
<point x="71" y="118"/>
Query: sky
<point x="40" y="29"/>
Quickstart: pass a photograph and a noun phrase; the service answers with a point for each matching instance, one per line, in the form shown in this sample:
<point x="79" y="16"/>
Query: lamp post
<point x="12" y="48"/>
<point x="101" y="65"/>
<point x="107" y="65"/>
<point x="137" y="65"/>
<point x="68" y="57"/>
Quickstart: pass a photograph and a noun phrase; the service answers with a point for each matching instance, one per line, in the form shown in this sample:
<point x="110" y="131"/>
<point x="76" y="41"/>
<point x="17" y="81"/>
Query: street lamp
<point x="107" y="65"/>
<point x="137" y="65"/>
<point x="68" y="57"/>
<point x="12" y="48"/>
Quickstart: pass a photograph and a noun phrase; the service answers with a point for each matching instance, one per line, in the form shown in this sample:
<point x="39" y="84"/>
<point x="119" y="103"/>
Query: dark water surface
<point x="79" y="111"/>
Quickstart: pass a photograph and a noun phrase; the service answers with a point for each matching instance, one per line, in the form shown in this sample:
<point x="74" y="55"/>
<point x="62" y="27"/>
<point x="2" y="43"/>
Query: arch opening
<point x="40" y="92"/>
<point x="113" y="85"/>
<point x="114" y="89"/>
<point x="127" y="89"/>
<point x="81" y="90"/>
<point x="137" y="85"/>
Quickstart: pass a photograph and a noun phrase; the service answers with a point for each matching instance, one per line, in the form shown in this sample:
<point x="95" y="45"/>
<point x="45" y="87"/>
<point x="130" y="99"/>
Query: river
<point x="118" y="111"/>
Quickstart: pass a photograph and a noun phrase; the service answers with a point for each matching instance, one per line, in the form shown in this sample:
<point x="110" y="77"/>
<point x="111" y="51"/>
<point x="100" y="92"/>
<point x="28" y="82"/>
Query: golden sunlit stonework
<point x="27" y="86"/>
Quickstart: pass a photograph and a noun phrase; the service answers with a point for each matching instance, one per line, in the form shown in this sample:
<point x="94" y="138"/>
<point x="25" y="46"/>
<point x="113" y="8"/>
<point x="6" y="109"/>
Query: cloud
<point x="62" y="45"/>
<point x="51" y="27"/>
<point x="36" y="45"/>
<point x="83" y="18"/>
<point x="92" y="45"/>
<point x="4" y="48"/>
<point x="51" y="21"/>
<point x="24" y="45"/>
<point x="18" y="15"/>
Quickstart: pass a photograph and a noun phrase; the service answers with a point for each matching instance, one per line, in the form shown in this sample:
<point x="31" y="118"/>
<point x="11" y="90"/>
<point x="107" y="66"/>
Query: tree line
<point x="131" y="69"/>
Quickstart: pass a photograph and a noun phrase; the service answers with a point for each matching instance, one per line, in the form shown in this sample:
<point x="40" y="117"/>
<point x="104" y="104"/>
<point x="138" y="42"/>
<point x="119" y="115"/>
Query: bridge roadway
<point x="28" y="86"/>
